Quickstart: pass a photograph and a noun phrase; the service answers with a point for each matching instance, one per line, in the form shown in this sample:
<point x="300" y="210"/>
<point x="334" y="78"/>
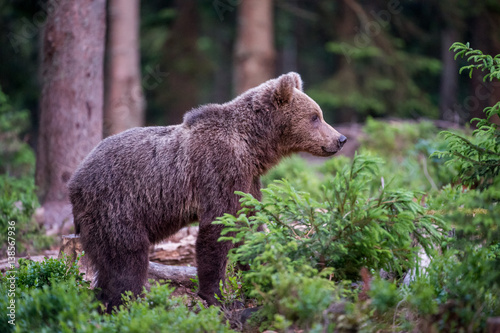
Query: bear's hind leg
<point x="126" y="272"/>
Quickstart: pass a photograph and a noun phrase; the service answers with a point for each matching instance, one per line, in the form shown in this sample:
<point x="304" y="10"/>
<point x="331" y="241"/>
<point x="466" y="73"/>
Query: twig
<point x="395" y="312"/>
<point x="426" y="173"/>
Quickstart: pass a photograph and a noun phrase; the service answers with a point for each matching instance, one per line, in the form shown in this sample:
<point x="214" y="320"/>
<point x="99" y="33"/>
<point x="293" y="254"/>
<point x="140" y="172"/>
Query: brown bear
<point x="142" y="185"/>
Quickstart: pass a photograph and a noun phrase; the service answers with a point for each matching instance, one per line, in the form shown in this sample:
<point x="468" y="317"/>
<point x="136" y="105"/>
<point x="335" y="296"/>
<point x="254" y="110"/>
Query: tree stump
<point x="72" y="247"/>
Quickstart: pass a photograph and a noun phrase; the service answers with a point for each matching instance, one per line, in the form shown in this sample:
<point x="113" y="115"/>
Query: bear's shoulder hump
<point x="200" y="114"/>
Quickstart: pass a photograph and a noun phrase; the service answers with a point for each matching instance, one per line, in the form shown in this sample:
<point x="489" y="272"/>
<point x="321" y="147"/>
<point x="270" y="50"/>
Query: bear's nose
<point x="342" y="140"/>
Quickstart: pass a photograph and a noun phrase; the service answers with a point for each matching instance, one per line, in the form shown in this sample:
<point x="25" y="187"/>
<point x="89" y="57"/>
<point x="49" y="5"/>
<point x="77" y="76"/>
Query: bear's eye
<point x="315" y="118"/>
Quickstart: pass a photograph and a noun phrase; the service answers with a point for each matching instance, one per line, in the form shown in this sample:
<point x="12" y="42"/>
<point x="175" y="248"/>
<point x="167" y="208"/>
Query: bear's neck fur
<point x="254" y="120"/>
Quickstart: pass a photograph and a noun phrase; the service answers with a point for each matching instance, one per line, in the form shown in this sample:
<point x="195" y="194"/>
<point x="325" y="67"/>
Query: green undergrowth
<point x="410" y="191"/>
<point x="409" y="194"/>
<point x="18" y="200"/>
<point x="358" y="223"/>
<point x="51" y="296"/>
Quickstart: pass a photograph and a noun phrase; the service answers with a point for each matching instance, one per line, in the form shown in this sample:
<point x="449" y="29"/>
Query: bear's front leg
<point x="211" y="258"/>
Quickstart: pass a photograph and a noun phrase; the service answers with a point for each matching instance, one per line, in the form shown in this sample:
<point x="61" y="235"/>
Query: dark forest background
<point x="357" y="58"/>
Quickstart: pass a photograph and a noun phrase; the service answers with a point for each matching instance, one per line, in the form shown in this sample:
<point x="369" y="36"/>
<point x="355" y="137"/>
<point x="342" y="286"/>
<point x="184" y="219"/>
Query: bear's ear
<point x="283" y="93"/>
<point x="297" y="79"/>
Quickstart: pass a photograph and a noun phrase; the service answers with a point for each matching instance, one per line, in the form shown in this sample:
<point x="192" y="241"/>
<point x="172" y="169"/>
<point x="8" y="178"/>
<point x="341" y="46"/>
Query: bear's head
<point x="299" y="118"/>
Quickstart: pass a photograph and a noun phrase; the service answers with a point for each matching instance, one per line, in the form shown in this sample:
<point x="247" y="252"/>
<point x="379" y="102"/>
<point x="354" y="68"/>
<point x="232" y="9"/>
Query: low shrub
<point x="159" y="311"/>
<point x="359" y="223"/>
<point x="32" y="274"/>
<point x="17" y="159"/>
<point x="460" y="289"/>
<point x="18" y="202"/>
<point x="50" y="296"/>
<point x="59" y="306"/>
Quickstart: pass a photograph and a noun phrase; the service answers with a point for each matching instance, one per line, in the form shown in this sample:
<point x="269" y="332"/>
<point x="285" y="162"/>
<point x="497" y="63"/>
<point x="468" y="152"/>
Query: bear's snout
<point x="335" y="146"/>
<point x="342" y="140"/>
<point x="333" y="141"/>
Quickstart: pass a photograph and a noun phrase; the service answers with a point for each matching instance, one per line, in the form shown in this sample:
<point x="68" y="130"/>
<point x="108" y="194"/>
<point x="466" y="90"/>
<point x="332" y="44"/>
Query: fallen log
<point x="177" y="275"/>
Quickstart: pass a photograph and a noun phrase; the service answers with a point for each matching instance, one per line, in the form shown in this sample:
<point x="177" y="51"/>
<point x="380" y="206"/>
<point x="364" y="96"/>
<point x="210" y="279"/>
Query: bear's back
<point x="127" y="154"/>
<point x="132" y="176"/>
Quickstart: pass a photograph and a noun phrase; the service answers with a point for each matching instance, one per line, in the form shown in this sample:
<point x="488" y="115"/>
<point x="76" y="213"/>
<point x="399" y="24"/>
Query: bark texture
<point x="71" y="100"/>
<point x="254" y="52"/>
<point x="124" y="100"/>
<point x="184" y="63"/>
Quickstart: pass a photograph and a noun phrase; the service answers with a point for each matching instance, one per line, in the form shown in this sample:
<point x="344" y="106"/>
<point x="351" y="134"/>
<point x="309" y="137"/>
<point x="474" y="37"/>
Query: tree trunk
<point x="449" y="77"/>
<point x="71" y="100"/>
<point x="254" y="52"/>
<point x="493" y="325"/>
<point x="494" y="50"/>
<point x="345" y="21"/>
<point x="124" y="100"/>
<point x="485" y="38"/>
<point x="183" y="63"/>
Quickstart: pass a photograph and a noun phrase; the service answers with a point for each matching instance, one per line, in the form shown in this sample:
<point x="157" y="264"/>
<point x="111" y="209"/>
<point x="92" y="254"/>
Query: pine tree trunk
<point x="345" y="20"/>
<point x="185" y="66"/>
<point x="124" y="100"/>
<point x="254" y="52"/>
<point x="449" y="77"/>
<point x="485" y="37"/>
<point x="71" y="101"/>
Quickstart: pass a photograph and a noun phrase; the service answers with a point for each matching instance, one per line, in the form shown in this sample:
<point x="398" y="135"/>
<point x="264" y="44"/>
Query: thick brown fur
<point x="140" y="186"/>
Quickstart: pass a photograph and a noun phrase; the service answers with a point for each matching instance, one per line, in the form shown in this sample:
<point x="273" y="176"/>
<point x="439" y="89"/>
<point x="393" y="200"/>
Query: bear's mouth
<point x="330" y="152"/>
